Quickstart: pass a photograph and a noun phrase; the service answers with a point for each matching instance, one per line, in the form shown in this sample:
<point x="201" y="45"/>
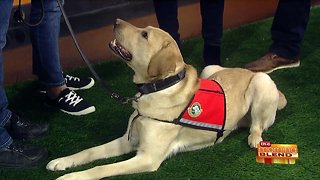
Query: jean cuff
<point x="6" y="118"/>
<point x="7" y="143"/>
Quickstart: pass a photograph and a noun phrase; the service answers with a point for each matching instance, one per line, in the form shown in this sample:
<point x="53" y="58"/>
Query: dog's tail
<point x="282" y="101"/>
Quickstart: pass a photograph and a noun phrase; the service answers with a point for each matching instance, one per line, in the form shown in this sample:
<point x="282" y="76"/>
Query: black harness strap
<point x="138" y="115"/>
<point x="219" y="133"/>
<point x="131" y="125"/>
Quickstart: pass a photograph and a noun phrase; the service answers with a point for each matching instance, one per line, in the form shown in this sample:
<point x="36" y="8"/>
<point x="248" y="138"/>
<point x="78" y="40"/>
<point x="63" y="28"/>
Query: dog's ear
<point x="163" y="62"/>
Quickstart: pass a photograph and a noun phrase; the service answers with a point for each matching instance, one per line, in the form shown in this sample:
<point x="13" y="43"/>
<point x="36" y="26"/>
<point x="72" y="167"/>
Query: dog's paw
<point x="253" y="141"/>
<point x="59" y="164"/>
<point x="70" y="176"/>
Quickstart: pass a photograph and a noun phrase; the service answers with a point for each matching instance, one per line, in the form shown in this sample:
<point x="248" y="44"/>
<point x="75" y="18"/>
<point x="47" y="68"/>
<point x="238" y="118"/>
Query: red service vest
<point x="207" y="109"/>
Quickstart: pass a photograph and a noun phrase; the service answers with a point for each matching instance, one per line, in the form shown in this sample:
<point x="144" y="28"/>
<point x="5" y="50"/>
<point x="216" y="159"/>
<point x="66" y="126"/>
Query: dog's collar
<point x="161" y="84"/>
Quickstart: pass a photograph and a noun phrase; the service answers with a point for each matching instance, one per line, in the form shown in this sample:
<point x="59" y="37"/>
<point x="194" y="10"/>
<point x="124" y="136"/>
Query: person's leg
<point x="46" y="60"/>
<point x="11" y="153"/>
<point x="212" y="29"/>
<point x="5" y="114"/>
<point x="167" y="16"/>
<point x="288" y="28"/>
<point x="10" y="123"/>
<point x="45" y="44"/>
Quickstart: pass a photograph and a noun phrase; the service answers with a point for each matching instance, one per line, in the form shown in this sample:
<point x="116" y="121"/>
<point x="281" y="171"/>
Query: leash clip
<point x="123" y="100"/>
<point x="126" y="100"/>
<point x="115" y="96"/>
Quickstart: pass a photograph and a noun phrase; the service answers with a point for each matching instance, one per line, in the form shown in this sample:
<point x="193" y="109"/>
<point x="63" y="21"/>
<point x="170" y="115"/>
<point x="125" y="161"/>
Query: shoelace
<point x="22" y="122"/>
<point x="73" y="98"/>
<point x="17" y="147"/>
<point x="70" y="78"/>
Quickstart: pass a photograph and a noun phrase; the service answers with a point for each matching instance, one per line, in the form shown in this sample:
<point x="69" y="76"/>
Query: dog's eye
<point x="144" y="34"/>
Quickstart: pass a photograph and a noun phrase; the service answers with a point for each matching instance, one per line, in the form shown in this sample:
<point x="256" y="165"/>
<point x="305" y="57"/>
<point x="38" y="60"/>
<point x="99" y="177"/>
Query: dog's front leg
<point x="114" y="148"/>
<point x="143" y="162"/>
<point x="155" y="139"/>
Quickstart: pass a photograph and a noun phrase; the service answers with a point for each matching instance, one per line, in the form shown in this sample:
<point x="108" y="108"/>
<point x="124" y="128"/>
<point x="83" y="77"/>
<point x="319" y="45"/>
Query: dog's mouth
<point x="119" y="50"/>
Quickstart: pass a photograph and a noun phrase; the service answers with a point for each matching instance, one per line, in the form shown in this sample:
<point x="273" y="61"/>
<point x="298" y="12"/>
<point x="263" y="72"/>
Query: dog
<point x="167" y="85"/>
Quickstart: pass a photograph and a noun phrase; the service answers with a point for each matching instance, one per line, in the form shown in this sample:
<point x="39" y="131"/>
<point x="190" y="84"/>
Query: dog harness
<point x="207" y="109"/>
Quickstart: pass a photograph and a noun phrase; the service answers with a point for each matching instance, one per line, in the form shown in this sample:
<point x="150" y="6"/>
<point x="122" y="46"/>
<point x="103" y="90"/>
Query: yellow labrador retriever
<point x="166" y="87"/>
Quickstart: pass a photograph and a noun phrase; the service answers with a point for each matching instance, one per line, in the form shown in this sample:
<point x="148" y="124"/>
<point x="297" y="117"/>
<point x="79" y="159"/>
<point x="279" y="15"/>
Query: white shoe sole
<point x="88" y="86"/>
<point x="89" y="110"/>
<point x="297" y="64"/>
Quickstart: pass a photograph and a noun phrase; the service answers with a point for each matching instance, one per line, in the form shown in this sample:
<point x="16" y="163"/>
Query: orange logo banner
<point x="269" y="153"/>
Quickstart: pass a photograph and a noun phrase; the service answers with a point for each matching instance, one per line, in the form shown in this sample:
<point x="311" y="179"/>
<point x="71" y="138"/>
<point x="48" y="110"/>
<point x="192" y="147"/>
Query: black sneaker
<point x="76" y="83"/>
<point x="71" y="103"/>
<point x="19" y="155"/>
<point x="20" y="128"/>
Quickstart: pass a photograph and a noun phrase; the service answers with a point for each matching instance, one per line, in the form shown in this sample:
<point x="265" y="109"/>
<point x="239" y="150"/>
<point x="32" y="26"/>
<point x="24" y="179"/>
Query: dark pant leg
<point x="288" y="27"/>
<point x="212" y="29"/>
<point x="5" y="114"/>
<point x="167" y="16"/>
<point x="45" y="43"/>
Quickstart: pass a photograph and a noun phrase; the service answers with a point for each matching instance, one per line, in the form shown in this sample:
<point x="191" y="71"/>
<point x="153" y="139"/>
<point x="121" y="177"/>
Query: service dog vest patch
<point x="207" y="109"/>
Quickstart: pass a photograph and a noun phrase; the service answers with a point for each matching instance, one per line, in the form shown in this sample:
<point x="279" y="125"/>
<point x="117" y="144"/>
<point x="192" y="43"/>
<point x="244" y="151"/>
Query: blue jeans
<point x="5" y="114"/>
<point x="45" y="43"/>
<point x="46" y="60"/>
<point x="288" y="27"/>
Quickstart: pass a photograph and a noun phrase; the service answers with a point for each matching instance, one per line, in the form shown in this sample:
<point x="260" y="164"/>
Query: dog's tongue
<point x="120" y="50"/>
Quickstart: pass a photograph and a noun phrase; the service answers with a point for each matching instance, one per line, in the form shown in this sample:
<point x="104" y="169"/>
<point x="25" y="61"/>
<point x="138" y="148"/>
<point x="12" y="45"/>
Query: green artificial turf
<point x="298" y="123"/>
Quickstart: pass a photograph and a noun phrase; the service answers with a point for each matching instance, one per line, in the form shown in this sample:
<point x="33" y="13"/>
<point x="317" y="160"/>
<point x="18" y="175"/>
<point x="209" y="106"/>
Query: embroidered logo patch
<point x="195" y="110"/>
<point x="206" y="109"/>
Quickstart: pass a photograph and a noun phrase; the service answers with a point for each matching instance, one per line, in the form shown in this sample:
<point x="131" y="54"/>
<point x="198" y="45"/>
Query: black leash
<point x="113" y="94"/>
<point x="19" y="15"/>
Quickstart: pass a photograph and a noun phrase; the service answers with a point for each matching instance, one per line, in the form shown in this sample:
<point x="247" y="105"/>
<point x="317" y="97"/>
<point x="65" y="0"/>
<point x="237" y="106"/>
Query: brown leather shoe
<point x="271" y="62"/>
